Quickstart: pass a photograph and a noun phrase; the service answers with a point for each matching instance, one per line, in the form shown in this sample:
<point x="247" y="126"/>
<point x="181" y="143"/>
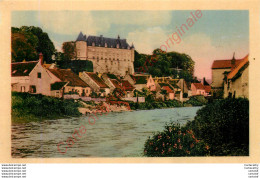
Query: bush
<point x="39" y="106"/>
<point x="175" y="141"/>
<point x="196" y="101"/>
<point x="224" y="125"/>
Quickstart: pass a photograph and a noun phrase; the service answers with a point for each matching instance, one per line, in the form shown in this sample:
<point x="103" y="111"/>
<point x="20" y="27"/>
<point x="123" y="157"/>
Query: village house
<point x="140" y="81"/>
<point x="32" y="77"/>
<point x="237" y="81"/>
<point x="177" y="84"/>
<point x="198" y="89"/>
<point x="207" y="87"/>
<point x="74" y="84"/>
<point x="127" y="88"/>
<point x="151" y="85"/>
<point x="219" y="69"/>
<point x="168" y="89"/>
<point x="107" y="78"/>
<point x="96" y="83"/>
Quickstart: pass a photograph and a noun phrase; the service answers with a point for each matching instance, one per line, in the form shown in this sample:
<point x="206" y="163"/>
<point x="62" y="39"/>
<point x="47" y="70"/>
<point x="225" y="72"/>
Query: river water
<point x="113" y="135"/>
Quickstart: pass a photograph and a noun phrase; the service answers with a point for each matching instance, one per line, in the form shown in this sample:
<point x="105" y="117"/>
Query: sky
<point x="215" y="35"/>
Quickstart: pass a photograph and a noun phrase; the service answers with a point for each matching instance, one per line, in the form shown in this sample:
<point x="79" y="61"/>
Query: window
<point x="39" y="75"/>
<point x="33" y="89"/>
<point x="22" y="88"/>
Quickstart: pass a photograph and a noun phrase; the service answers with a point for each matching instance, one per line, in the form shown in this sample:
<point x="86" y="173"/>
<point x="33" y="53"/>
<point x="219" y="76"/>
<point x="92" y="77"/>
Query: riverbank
<point x="193" y="101"/>
<point x="36" y="107"/>
<point x="221" y="128"/>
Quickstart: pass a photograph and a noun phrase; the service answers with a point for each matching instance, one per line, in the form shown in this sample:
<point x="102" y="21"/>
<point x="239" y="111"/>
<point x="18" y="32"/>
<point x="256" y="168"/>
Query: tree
<point x="69" y="50"/>
<point x="23" y="47"/>
<point x="161" y="63"/>
<point x="28" y="41"/>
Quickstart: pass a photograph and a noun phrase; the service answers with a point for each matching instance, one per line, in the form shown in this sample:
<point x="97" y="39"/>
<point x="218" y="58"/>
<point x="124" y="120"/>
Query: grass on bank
<point x="152" y="104"/>
<point x="34" y="107"/>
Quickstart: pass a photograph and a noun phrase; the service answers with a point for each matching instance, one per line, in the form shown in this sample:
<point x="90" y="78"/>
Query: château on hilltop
<point x="112" y="55"/>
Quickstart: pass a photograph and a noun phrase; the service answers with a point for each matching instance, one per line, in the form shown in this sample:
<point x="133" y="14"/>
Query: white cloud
<point x="146" y="41"/>
<point x="72" y="22"/>
<point x="68" y="22"/>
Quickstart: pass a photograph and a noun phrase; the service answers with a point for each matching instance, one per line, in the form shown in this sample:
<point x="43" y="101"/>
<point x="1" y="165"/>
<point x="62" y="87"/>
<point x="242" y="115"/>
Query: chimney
<point x="41" y="58"/>
<point x="233" y="62"/>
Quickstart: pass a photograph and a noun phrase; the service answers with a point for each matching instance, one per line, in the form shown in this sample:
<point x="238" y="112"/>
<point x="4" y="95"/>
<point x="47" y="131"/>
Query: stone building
<point x="237" y="81"/>
<point x="219" y="69"/>
<point x="109" y="55"/>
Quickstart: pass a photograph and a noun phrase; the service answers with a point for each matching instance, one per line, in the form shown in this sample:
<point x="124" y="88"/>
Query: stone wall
<point x="113" y="60"/>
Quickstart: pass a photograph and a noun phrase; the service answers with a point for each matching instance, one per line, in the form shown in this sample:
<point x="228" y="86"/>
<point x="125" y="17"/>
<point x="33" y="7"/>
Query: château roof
<point x="19" y="69"/>
<point x="104" y="41"/>
<point x="66" y="75"/>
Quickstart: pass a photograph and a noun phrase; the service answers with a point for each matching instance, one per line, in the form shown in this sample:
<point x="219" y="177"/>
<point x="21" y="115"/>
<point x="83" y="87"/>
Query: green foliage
<point x="198" y="100"/>
<point x="224" y="125"/>
<point x="175" y="141"/>
<point x="165" y="64"/>
<point x="41" y="107"/>
<point x="155" y="104"/>
<point x="28" y="41"/>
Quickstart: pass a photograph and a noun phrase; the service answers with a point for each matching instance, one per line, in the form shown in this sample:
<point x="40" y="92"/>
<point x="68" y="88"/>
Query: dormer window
<point x="14" y="71"/>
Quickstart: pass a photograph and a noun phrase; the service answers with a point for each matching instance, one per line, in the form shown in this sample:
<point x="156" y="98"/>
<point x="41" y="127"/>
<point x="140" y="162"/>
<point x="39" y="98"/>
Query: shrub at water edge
<point x="175" y="141"/>
<point x="224" y="125"/>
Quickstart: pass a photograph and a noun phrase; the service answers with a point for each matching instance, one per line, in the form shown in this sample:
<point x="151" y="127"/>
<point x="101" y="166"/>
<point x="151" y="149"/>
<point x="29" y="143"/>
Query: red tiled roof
<point x="207" y="88"/>
<point x="22" y="68"/>
<point x="224" y="64"/>
<point x="127" y="86"/>
<point x="238" y="68"/>
<point x="199" y="86"/>
<point x="116" y="83"/>
<point x="98" y="80"/>
<point x="67" y="75"/>
<point x="168" y="89"/>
